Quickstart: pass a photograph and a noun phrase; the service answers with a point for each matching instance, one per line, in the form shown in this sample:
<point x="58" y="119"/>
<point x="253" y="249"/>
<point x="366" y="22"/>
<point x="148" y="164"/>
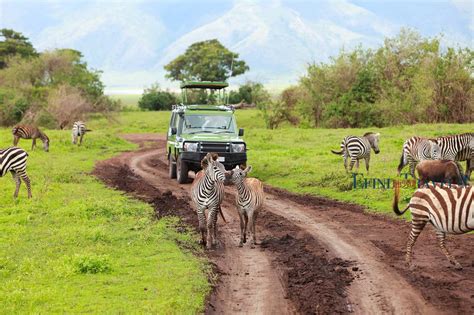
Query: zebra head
<point x="373" y="140"/>
<point x="239" y="174"/>
<point x="213" y="168"/>
<point x="435" y="150"/>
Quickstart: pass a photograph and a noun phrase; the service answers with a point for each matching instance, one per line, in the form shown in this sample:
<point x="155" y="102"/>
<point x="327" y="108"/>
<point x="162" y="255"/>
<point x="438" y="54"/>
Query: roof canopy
<point x="204" y="85"/>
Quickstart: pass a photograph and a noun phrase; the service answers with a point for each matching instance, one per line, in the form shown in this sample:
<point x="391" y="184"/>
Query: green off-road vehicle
<point x="195" y="130"/>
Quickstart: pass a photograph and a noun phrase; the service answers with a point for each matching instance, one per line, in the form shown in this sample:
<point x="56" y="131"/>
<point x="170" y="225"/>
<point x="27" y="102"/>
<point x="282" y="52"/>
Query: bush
<point x="156" y="99"/>
<point x="252" y="93"/>
<point x="91" y="264"/>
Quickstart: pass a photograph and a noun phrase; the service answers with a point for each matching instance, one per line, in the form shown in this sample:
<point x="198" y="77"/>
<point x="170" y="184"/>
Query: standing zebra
<point x="357" y="148"/>
<point x="14" y="159"/>
<point x="457" y="148"/>
<point x="448" y="209"/>
<point x="78" y="130"/>
<point x="30" y="132"/>
<point x="417" y="149"/>
<point x="207" y="192"/>
<point x="249" y="201"/>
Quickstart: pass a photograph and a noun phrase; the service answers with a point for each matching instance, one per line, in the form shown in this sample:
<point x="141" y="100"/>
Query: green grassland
<point x="80" y="247"/>
<point x="130" y="101"/>
<point x="300" y="160"/>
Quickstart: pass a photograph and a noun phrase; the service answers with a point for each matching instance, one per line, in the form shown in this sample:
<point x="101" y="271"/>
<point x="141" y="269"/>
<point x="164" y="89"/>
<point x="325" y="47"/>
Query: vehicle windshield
<point x="208" y="124"/>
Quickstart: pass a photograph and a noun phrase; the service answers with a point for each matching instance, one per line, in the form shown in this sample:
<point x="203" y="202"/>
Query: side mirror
<point x="173" y="130"/>
<point x="241" y="132"/>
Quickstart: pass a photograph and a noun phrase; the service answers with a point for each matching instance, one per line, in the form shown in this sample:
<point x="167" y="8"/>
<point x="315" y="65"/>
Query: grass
<point x="130" y="101"/>
<point x="80" y="247"/>
<point x="300" y="160"/>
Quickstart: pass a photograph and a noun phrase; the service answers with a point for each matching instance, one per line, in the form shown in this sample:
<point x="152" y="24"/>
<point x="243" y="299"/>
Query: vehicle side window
<point x="172" y="123"/>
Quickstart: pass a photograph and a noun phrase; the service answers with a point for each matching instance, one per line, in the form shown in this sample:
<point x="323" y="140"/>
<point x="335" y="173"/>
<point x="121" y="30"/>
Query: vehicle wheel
<point x="181" y="171"/>
<point x="171" y="167"/>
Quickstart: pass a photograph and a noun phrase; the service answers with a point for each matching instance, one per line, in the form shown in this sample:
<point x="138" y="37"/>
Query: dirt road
<point x="316" y="255"/>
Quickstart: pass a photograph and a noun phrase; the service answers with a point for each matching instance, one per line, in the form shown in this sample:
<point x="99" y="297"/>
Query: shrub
<point x="156" y="99"/>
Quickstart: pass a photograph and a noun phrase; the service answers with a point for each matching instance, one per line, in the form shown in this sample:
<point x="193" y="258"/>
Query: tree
<point x="250" y="93"/>
<point x="13" y="44"/>
<point x="155" y="99"/>
<point x="206" y="61"/>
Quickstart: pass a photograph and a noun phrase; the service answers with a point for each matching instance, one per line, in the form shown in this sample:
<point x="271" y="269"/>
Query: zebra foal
<point x="249" y="201"/>
<point x="78" y="131"/>
<point x="13" y="159"/>
<point x="207" y="192"/>
<point x="357" y="148"/>
<point x="450" y="209"/>
<point x="30" y="132"/>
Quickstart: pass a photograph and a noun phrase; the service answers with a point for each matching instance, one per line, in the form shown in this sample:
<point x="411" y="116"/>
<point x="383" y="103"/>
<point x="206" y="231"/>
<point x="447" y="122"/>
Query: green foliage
<point x="91" y="264"/>
<point x="206" y="61"/>
<point x="406" y="81"/>
<point x="250" y="93"/>
<point x="156" y="99"/>
<point x="14" y="44"/>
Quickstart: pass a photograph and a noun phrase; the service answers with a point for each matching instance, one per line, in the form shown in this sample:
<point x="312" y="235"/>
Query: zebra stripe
<point x="249" y="201"/>
<point x="78" y="131"/>
<point x="458" y="148"/>
<point x="13" y="160"/>
<point x="30" y="132"/>
<point x="449" y="209"/>
<point x="357" y="148"/>
<point x="207" y="192"/>
<point x="417" y="149"/>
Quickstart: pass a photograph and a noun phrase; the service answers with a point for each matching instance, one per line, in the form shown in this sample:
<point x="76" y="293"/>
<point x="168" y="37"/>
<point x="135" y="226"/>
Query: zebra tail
<point x="395" y="200"/>
<point x="89" y="130"/>
<point x="402" y="163"/>
<point x="222" y="214"/>
<point x="337" y="152"/>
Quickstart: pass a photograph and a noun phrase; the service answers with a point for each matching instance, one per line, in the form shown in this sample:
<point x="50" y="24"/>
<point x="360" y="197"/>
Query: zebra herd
<point x="449" y="208"/>
<point x="207" y="192"/>
<point x="13" y="159"/>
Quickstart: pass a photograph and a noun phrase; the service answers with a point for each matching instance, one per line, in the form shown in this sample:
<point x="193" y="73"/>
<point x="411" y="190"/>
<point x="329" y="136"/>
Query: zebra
<point x="457" y="148"/>
<point x="30" y="132"/>
<point x="450" y="209"/>
<point x="249" y="201"/>
<point x="13" y="159"/>
<point x="416" y="149"/>
<point x="207" y="192"/>
<point x="357" y="148"/>
<point x="78" y="130"/>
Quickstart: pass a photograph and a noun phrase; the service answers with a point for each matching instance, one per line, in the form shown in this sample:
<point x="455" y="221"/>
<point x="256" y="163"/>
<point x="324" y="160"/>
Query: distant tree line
<point x="51" y="88"/>
<point x="410" y="79"/>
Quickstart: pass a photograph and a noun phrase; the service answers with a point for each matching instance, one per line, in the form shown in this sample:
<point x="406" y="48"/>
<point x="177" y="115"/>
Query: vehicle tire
<point x="171" y="167"/>
<point x="181" y="171"/>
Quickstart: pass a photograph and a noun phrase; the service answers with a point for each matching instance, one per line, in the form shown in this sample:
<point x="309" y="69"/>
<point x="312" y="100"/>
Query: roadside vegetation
<point x="300" y="159"/>
<point x="80" y="247"/>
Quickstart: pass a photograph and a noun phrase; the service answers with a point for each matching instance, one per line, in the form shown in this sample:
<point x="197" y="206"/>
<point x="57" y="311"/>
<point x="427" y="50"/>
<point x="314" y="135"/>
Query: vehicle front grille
<point x="214" y="147"/>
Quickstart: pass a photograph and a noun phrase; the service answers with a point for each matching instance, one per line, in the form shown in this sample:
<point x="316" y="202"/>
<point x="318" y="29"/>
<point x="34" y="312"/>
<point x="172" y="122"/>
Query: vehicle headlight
<point x="190" y="146"/>
<point x="238" y="147"/>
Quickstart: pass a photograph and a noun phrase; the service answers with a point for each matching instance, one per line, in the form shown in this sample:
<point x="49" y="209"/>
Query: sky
<point x="130" y="41"/>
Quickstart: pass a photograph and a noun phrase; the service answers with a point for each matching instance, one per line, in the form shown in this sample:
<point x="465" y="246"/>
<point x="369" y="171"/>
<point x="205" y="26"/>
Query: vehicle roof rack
<point x="213" y="85"/>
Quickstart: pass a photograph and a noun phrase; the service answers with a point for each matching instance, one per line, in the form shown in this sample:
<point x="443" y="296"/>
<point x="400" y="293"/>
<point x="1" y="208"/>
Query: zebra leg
<point x="367" y="162"/>
<point x="357" y="166"/>
<point x="26" y="179"/>
<point x="211" y="217"/>
<point x="345" y="162"/>
<point x="351" y="165"/>
<point x="17" y="180"/>
<point x="246" y="221"/>
<point x="74" y="139"/>
<point x="441" y="236"/>
<point x="417" y="226"/>
<point x="33" y="144"/>
<point x="15" y="140"/>
<point x="80" y="139"/>
<point x="242" y="226"/>
<point x="202" y="225"/>
<point x="252" y="228"/>
<point x="412" y="168"/>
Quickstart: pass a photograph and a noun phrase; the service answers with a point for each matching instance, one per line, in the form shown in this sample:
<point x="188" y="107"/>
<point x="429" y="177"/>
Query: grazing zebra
<point x="14" y="159"/>
<point x="448" y="209"/>
<point x="249" y="201"/>
<point x="357" y="148"/>
<point x="417" y="149"/>
<point x="30" y="132"/>
<point x="78" y="130"/>
<point x="457" y="148"/>
<point x="207" y="192"/>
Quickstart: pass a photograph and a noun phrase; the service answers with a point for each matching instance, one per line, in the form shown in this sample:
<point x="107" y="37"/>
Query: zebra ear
<point x="248" y="169"/>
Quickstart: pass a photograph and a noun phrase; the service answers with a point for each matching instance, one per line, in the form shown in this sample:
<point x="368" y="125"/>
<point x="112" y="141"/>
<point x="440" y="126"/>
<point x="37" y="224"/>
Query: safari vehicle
<point x="195" y="130"/>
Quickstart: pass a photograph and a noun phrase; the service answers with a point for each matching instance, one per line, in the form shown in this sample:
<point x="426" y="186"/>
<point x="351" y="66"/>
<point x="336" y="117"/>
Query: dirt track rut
<point x="259" y="280"/>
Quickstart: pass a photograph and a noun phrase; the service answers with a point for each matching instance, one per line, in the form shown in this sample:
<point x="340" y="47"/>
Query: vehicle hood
<point x="223" y="137"/>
